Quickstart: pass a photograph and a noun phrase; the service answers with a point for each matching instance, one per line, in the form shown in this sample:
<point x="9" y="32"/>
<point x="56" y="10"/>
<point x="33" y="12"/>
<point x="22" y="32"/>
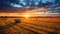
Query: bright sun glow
<point x="26" y="15"/>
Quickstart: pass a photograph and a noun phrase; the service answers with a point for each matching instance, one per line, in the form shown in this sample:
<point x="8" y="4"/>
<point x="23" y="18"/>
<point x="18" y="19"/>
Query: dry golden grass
<point x="51" y="22"/>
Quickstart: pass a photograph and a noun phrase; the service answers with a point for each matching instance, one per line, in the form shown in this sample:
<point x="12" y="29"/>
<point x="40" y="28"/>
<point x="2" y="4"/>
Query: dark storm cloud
<point x="6" y="4"/>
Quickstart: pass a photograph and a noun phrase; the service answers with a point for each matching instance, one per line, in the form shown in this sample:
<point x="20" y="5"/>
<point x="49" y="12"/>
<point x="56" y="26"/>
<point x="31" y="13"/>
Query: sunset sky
<point x="22" y="5"/>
